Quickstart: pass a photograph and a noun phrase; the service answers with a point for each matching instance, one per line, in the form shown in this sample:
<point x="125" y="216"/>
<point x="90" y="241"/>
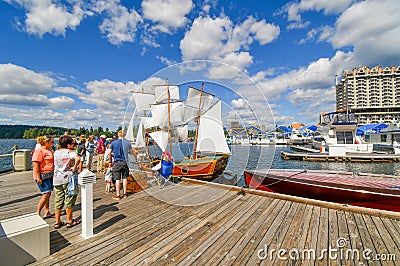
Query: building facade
<point x="373" y="95"/>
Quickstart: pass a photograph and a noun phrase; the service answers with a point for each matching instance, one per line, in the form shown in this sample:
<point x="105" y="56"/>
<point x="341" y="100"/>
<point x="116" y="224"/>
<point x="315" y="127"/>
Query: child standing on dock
<point x="108" y="176"/>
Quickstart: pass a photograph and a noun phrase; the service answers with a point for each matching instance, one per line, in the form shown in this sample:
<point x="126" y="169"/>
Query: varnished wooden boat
<point x="204" y="167"/>
<point x="363" y="190"/>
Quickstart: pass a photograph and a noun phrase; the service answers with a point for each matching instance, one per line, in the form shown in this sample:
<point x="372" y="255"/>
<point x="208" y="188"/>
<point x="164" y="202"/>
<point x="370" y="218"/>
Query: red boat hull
<point x="355" y="193"/>
<point x="202" y="168"/>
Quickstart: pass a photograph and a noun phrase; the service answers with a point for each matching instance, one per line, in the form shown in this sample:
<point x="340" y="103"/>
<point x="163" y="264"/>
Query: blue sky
<point x="73" y="63"/>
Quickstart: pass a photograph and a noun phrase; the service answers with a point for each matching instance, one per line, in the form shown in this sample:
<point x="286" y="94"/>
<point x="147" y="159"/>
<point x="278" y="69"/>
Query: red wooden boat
<point x="363" y="190"/>
<point x="202" y="168"/>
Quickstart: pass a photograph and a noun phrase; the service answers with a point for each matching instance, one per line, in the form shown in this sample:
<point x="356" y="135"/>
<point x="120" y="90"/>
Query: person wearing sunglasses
<point x="43" y="170"/>
<point x="66" y="163"/>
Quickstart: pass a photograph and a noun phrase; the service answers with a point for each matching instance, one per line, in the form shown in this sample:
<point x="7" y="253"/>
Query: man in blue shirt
<point x="120" y="149"/>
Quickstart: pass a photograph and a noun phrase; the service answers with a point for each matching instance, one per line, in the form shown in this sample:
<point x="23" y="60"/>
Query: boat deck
<point x="389" y="184"/>
<point x="193" y="223"/>
<point x="305" y="149"/>
<point x="349" y="157"/>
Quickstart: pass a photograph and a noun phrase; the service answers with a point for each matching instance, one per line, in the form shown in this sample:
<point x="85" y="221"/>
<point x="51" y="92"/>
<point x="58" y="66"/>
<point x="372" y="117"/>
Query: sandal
<point x="59" y="225"/>
<point x="74" y="222"/>
<point x="51" y="215"/>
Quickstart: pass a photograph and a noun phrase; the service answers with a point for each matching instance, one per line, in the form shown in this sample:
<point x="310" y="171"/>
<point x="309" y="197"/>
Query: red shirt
<point x="45" y="159"/>
<point x="101" y="149"/>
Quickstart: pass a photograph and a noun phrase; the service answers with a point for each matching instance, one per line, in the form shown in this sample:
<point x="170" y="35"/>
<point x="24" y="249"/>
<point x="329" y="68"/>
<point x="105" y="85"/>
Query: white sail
<point x="162" y="95"/>
<point x="147" y="122"/>
<point x="211" y="136"/>
<point x="129" y="131"/>
<point x="193" y="99"/>
<point x="161" y="138"/>
<point x="139" y="138"/>
<point x="143" y="101"/>
<point x="190" y="113"/>
<point x="160" y="114"/>
<point x="183" y="133"/>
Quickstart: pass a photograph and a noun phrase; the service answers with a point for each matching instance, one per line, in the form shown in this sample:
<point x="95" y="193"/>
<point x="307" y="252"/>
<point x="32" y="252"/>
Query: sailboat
<point x="210" y="150"/>
<point x="169" y="114"/>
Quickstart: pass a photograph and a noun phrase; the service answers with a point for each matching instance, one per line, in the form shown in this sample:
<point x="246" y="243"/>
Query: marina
<point x="196" y="222"/>
<point x="200" y="133"/>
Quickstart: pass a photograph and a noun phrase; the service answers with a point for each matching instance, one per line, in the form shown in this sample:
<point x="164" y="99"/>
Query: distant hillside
<point x="31" y="132"/>
<point x="28" y="132"/>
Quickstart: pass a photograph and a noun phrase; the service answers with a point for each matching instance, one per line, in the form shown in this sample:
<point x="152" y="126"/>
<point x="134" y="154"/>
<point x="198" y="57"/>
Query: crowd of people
<point x="54" y="166"/>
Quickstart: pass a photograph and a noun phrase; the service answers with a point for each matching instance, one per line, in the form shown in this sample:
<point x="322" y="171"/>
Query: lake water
<point x="6" y="147"/>
<point x="243" y="157"/>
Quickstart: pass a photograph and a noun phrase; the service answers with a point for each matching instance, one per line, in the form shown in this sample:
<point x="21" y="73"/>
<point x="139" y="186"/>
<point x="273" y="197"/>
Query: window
<point x="383" y="137"/>
<point x="344" y="137"/>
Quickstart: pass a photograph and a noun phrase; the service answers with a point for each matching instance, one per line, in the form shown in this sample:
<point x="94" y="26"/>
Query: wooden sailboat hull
<point x="363" y="191"/>
<point x="203" y="168"/>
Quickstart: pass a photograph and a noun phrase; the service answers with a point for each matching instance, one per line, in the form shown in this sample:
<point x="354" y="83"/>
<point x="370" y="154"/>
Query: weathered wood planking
<point x="197" y="224"/>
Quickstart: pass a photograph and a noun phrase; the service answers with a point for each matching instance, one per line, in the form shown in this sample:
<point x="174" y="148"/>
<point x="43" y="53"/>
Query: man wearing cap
<point x="101" y="149"/>
<point x="120" y="149"/>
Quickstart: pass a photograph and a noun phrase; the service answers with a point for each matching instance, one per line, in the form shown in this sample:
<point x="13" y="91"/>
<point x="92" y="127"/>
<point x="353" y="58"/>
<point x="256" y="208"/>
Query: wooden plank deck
<point x="195" y="224"/>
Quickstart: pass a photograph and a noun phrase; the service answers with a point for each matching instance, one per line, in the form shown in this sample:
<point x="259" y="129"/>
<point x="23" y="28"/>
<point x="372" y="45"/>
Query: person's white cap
<point x="103" y="136"/>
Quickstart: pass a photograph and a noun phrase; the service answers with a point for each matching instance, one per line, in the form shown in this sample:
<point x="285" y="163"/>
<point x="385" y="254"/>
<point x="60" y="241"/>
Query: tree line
<point x="32" y="132"/>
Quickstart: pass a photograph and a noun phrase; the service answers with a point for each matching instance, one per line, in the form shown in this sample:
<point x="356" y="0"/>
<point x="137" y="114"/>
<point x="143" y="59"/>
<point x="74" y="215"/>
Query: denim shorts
<point x="46" y="186"/>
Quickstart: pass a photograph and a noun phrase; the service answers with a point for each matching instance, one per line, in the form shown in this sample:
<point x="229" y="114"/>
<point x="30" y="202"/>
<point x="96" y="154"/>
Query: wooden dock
<point x="194" y="223"/>
<point x="349" y="157"/>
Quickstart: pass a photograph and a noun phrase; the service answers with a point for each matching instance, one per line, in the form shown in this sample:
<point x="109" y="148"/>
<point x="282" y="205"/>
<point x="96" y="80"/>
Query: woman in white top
<point x="66" y="162"/>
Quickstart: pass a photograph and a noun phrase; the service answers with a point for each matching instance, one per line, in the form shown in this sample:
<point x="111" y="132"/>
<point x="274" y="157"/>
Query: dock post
<point x="87" y="210"/>
<point x="86" y="180"/>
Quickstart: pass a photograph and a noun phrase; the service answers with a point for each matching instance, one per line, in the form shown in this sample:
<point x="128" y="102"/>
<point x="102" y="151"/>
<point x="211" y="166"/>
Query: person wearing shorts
<point x="43" y="167"/>
<point x="66" y="162"/>
<point x="120" y="149"/>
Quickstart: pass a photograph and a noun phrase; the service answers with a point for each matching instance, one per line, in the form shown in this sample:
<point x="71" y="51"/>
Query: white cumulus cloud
<point x="21" y="81"/>
<point x="120" y="24"/>
<point x="45" y="16"/>
<point x="167" y="14"/>
<point x="220" y="40"/>
<point x="108" y="95"/>
<point x="61" y="102"/>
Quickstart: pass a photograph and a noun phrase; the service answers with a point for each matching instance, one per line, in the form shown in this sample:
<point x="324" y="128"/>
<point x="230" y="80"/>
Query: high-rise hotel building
<point x="373" y="95"/>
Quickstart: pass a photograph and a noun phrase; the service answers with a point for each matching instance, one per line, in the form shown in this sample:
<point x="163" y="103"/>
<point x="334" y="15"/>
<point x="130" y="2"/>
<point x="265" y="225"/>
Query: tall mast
<point x="169" y="118"/>
<point x="198" y="122"/>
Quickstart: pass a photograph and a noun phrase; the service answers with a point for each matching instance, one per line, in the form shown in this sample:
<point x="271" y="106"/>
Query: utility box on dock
<point x="24" y="239"/>
<point x="22" y="160"/>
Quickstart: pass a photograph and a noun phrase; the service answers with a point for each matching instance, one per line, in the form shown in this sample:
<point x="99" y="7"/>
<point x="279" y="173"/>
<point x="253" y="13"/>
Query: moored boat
<point x="204" y="167"/>
<point x="167" y="117"/>
<point x="210" y="150"/>
<point x="363" y="190"/>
